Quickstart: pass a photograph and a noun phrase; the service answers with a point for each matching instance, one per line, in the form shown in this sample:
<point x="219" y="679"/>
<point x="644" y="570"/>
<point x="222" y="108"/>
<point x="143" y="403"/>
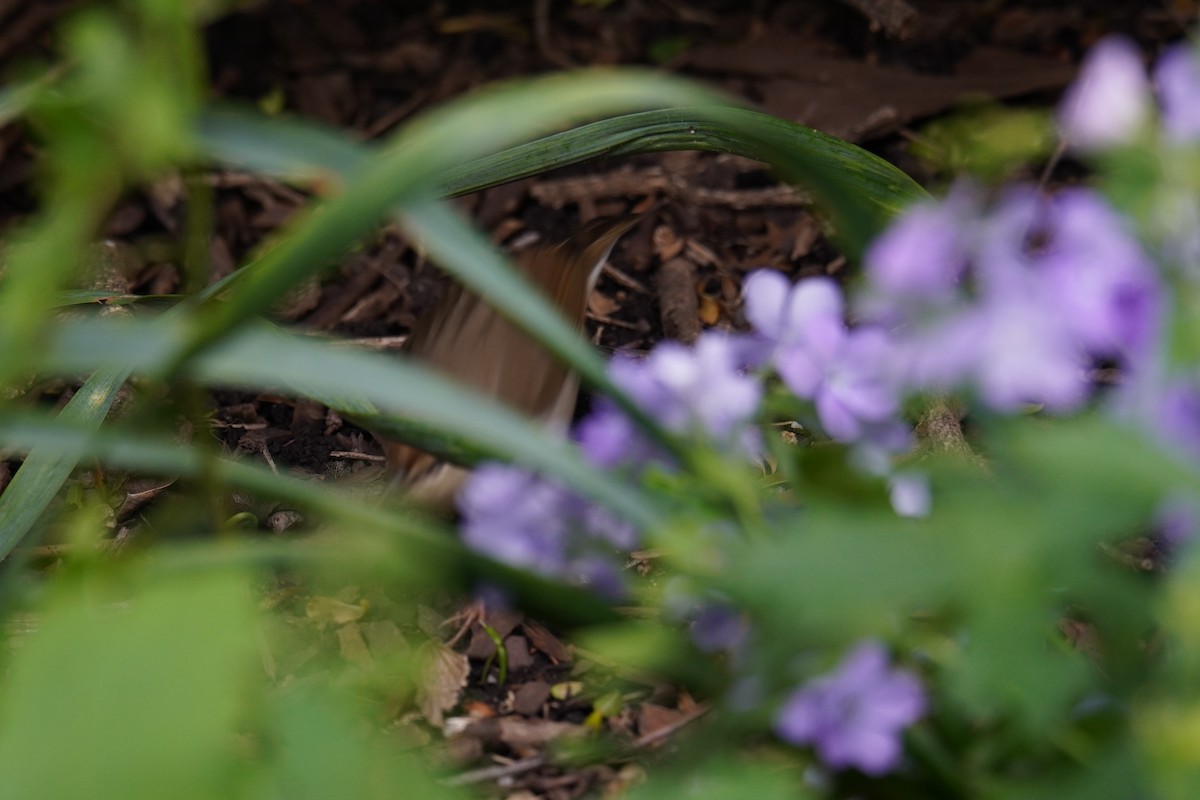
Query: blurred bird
<point x="467" y="340"/>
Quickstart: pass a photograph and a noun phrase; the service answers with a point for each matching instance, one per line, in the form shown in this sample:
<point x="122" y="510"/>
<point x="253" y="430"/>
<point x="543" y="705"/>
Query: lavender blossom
<point x="514" y="516"/>
<point x="910" y="495"/>
<point x="718" y="627"/>
<point x="704" y="386"/>
<point x="917" y="263"/>
<point x="610" y="439"/>
<point x="849" y="375"/>
<point x="699" y="390"/>
<point x="1107" y="287"/>
<point x="522" y="519"/>
<point x="1028" y="355"/>
<point x="1031" y="291"/>
<point x="1176" y="522"/>
<point x="1175" y="417"/>
<point x="854" y="715"/>
<point x="1177" y="81"/>
<point x="1109" y="102"/>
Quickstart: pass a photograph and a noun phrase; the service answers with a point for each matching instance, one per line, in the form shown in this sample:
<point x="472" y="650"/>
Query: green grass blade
<point x="38" y="480"/>
<point x="407" y="167"/>
<point x="261" y="357"/>
<point x="850" y="183"/>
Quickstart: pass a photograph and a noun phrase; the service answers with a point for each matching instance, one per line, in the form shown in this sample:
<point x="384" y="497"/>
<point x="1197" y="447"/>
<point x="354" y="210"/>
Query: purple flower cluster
<point x="849" y="375"/>
<point x="853" y="716"/>
<point x="1111" y="104"/>
<point x="702" y="391"/>
<point x="525" y="520"/>
<point x="1020" y="298"/>
<point x="522" y="519"/>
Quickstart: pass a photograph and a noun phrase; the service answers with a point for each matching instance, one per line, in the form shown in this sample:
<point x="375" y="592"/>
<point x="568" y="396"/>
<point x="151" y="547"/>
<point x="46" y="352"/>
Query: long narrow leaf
<point x="406" y="169"/>
<point x="849" y="182"/>
<point x="261" y="357"/>
<point x="45" y="469"/>
<point x="417" y="548"/>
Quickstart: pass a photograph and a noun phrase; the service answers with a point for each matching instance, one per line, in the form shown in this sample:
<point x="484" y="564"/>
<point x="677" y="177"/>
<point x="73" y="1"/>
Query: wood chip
<point x="548" y="643"/>
<point x="667" y="243"/>
<point x="529" y="697"/>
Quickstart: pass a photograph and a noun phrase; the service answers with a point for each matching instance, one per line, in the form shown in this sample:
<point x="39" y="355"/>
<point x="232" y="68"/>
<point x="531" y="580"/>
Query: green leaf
<point x="725" y="776"/>
<point x="156" y="696"/>
<point x="261" y="357"/>
<point x="42" y="474"/>
<point x="323" y="751"/>
<point x="406" y="169"/>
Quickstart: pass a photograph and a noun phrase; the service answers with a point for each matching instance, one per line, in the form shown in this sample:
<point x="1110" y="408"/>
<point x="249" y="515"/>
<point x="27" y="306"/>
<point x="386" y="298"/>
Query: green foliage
<point x="149" y="674"/>
<point x="150" y="677"/>
<point x="987" y="141"/>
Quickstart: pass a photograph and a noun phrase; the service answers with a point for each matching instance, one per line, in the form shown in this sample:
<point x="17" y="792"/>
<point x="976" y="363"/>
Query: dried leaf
<point x="353" y="647"/>
<point x="323" y="610"/>
<point x="544" y="640"/>
<point x="524" y="734"/>
<point x="445" y="675"/>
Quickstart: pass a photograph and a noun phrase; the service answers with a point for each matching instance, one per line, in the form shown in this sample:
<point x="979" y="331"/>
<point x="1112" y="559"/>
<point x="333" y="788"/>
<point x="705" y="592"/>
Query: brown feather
<point x="467" y="340"/>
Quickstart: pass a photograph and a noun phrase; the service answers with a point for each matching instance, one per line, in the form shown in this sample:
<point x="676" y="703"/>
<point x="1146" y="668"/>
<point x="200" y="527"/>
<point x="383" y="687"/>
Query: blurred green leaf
<point x="359" y="383"/>
<point x="989" y="141"/>
<point x="159" y="687"/>
<point x="325" y="750"/>
<point x="836" y="574"/>
<point x="660" y="650"/>
<point x="42" y="474"/>
<point x="407" y="167"/>
<point x="725" y="776"/>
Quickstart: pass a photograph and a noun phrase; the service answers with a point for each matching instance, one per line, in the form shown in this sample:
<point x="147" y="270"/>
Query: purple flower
<point x="1106" y="287"/>
<point x="849" y="375"/>
<point x="1164" y="404"/>
<point x="718" y="627"/>
<point x="1028" y="355"/>
<point x="1176" y="521"/>
<point x="1033" y="290"/>
<point x="808" y="313"/>
<point x="854" y="715"/>
<point x="517" y="517"/>
<point x="1175" y="417"/>
<point x="917" y="263"/>
<point x="1177" y="80"/>
<point x="705" y="387"/>
<point x="1110" y="99"/>
<point x="611" y="439"/>
<point x="514" y="516"/>
<point x="909" y="493"/>
<point x="702" y="389"/>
